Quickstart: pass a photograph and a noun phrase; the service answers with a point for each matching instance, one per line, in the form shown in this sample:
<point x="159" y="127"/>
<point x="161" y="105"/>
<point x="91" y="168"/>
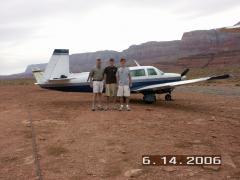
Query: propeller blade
<point x="184" y="72"/>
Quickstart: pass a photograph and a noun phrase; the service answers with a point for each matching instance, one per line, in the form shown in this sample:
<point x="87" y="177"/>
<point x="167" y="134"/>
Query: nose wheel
<point x="168" y="97"/>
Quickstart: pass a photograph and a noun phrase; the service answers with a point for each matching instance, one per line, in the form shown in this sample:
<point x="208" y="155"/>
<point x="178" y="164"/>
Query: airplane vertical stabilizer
<point x="58" y="66"/>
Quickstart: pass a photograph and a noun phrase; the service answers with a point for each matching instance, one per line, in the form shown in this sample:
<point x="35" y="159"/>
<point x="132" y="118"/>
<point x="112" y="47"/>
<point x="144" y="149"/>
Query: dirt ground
<point x="74" y="143"/>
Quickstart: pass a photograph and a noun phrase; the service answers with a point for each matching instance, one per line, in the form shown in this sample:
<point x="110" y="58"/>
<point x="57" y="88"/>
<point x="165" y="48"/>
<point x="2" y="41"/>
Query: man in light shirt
<point x="124" y="82"/>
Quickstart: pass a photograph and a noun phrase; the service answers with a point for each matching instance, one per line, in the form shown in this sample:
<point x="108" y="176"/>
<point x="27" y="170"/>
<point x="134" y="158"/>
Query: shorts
<point x="97" y="86"/>
<point x="111" y="90"/>
<point x="123" y="91"/>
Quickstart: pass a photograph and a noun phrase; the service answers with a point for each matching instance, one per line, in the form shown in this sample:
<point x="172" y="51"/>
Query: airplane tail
<point x="39" y="75"/>
<point x="58" y="66"/>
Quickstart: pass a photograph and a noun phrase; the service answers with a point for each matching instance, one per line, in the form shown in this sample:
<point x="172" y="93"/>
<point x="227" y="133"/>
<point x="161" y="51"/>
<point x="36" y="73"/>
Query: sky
<point x="31" y="30"/>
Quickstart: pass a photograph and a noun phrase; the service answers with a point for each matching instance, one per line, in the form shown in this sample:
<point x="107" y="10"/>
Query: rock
<point x="227" y="160"/>
<point x="29" y="160"/>
<point x="213" y="168"/>
<point x="197" y="141"/>
<point x="123" y="151"/>
<point x="191" y="174"/>
<point x="213" y="118"/>
<point x="102" y="161"/>
<point x="42" y="138"/>
<point x="169" y="168"/>
<point x="133" y="173"/>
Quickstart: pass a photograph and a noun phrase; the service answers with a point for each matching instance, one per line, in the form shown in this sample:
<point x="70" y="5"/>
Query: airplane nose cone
<point x="183" y="77"/>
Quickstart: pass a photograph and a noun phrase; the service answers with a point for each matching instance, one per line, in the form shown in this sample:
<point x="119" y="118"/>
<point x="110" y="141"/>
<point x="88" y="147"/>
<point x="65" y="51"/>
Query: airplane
<point x="147" y="80"/>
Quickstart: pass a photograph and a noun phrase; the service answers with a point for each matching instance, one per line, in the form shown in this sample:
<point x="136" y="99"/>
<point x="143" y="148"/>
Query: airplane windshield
<point x="161" y="72"/>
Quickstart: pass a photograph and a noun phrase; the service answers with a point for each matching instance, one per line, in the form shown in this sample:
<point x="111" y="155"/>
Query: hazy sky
<point x="30" y="30"/>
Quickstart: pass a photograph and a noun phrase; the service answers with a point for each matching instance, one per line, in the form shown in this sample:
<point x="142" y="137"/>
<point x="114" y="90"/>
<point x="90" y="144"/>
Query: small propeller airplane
<point x="147" y="80"/>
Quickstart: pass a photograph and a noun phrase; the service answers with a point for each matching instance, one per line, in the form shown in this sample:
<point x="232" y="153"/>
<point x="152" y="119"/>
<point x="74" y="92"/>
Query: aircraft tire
<point x="149" y="98"/>
<point x="168" y="97"/>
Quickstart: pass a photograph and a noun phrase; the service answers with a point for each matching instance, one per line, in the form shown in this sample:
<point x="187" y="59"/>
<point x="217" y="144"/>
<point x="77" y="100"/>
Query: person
<point x="110" y="83"/>
<point x="124" y="82"/>
<point x="96" y="82"/>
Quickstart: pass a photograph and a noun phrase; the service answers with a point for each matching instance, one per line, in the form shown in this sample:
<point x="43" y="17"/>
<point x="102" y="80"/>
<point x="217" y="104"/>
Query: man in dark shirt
<point x="111" y="82"/>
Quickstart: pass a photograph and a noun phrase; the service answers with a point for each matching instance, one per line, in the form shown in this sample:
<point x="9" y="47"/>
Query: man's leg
<point x="121" y="104"/>
<point x="127" y="104"/>
<point x="100" y="90"/>
<point x="120" y="95"/>
<point x="114" y="97"/>
<point x="94" y="97"/>
<point x="94" y="101"/>
<point x="108" y="100"/>
<point x="107" y="94"/>
<point x="127" y="100"/>
<point x="127" y="95"/>
<point x="100" y="99"/>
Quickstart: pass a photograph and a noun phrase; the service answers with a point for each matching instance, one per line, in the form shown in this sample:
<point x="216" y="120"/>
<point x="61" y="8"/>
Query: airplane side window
<point x="137" y="73"/>
<point x="151" y="72"/>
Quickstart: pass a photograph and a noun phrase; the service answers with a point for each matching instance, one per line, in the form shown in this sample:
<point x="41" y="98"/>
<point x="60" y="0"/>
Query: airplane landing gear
<point x="168" y="97"/>
<point x="149" y="98"/>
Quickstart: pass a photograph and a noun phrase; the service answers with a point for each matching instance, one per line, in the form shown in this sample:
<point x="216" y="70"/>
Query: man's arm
<point x="104" y="76"/>
<point x="90" y="77"/>
<point x="117" y="76"/>
<point x="130" y="79"/>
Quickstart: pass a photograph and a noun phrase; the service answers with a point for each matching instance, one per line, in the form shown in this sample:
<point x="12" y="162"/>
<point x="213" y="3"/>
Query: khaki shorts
<point x="123" y="91"/>
<point x="97" y="86"/>
<point x="111" y="90"/>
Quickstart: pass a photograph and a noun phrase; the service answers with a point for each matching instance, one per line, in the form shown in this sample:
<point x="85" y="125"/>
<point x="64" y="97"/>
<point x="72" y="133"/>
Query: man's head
<point x="98" y="62"/>
<point x="111" y="62"/>
<point x="122" y="62"/>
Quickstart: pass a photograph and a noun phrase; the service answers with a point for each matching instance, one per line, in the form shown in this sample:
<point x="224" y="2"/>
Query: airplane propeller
<point x="184" y="72"/>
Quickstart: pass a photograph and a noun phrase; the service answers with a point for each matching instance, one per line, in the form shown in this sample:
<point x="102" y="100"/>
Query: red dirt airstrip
<point x="75" y="143"/>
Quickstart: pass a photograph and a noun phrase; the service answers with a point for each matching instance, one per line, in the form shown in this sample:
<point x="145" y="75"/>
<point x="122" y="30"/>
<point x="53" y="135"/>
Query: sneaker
<point x="128" y="108"/>
<point x="120" y="108"/>
<point x="100" y="108"/>
<point x="114" y="107"/>
<point x="93" y="108"/>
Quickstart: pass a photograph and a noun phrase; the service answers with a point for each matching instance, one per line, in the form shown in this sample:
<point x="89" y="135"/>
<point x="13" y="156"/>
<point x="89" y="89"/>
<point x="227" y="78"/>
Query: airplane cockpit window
<point x="137" y="73"/>
<point x="160" y="72"/>
<point x="151" y="72"/>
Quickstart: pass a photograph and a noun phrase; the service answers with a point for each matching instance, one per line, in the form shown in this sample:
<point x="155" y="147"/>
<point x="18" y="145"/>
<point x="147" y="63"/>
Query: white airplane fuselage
<point x="141" y="76"/>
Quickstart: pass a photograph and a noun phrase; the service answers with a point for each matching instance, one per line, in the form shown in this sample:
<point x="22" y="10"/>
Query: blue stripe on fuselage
<point x="84" y="87"/>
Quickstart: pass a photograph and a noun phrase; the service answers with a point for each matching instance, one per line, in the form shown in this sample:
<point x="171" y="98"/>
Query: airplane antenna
<point x="136" y="63"/>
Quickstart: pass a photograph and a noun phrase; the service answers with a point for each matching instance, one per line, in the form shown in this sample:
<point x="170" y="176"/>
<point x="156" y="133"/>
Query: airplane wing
<point x="178" y="83"/>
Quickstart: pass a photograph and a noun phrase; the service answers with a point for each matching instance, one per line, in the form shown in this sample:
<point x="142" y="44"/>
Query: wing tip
<point x="224" y="76"/>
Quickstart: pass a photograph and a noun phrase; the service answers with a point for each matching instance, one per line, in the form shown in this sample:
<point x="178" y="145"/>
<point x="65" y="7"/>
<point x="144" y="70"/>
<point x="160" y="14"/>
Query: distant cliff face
<point x="85" y="61"/>
<point x="194" y="44"/>
<point x="218" y="59"/>
<point x="154" y="51"/>
<point x="208" y="41"/>
<point x="209" y="48"/>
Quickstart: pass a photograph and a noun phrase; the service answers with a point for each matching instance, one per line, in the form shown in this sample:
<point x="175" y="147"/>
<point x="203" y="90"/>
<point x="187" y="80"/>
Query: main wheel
<point x="149" y="98"/>
<point x="168" y="97"/>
